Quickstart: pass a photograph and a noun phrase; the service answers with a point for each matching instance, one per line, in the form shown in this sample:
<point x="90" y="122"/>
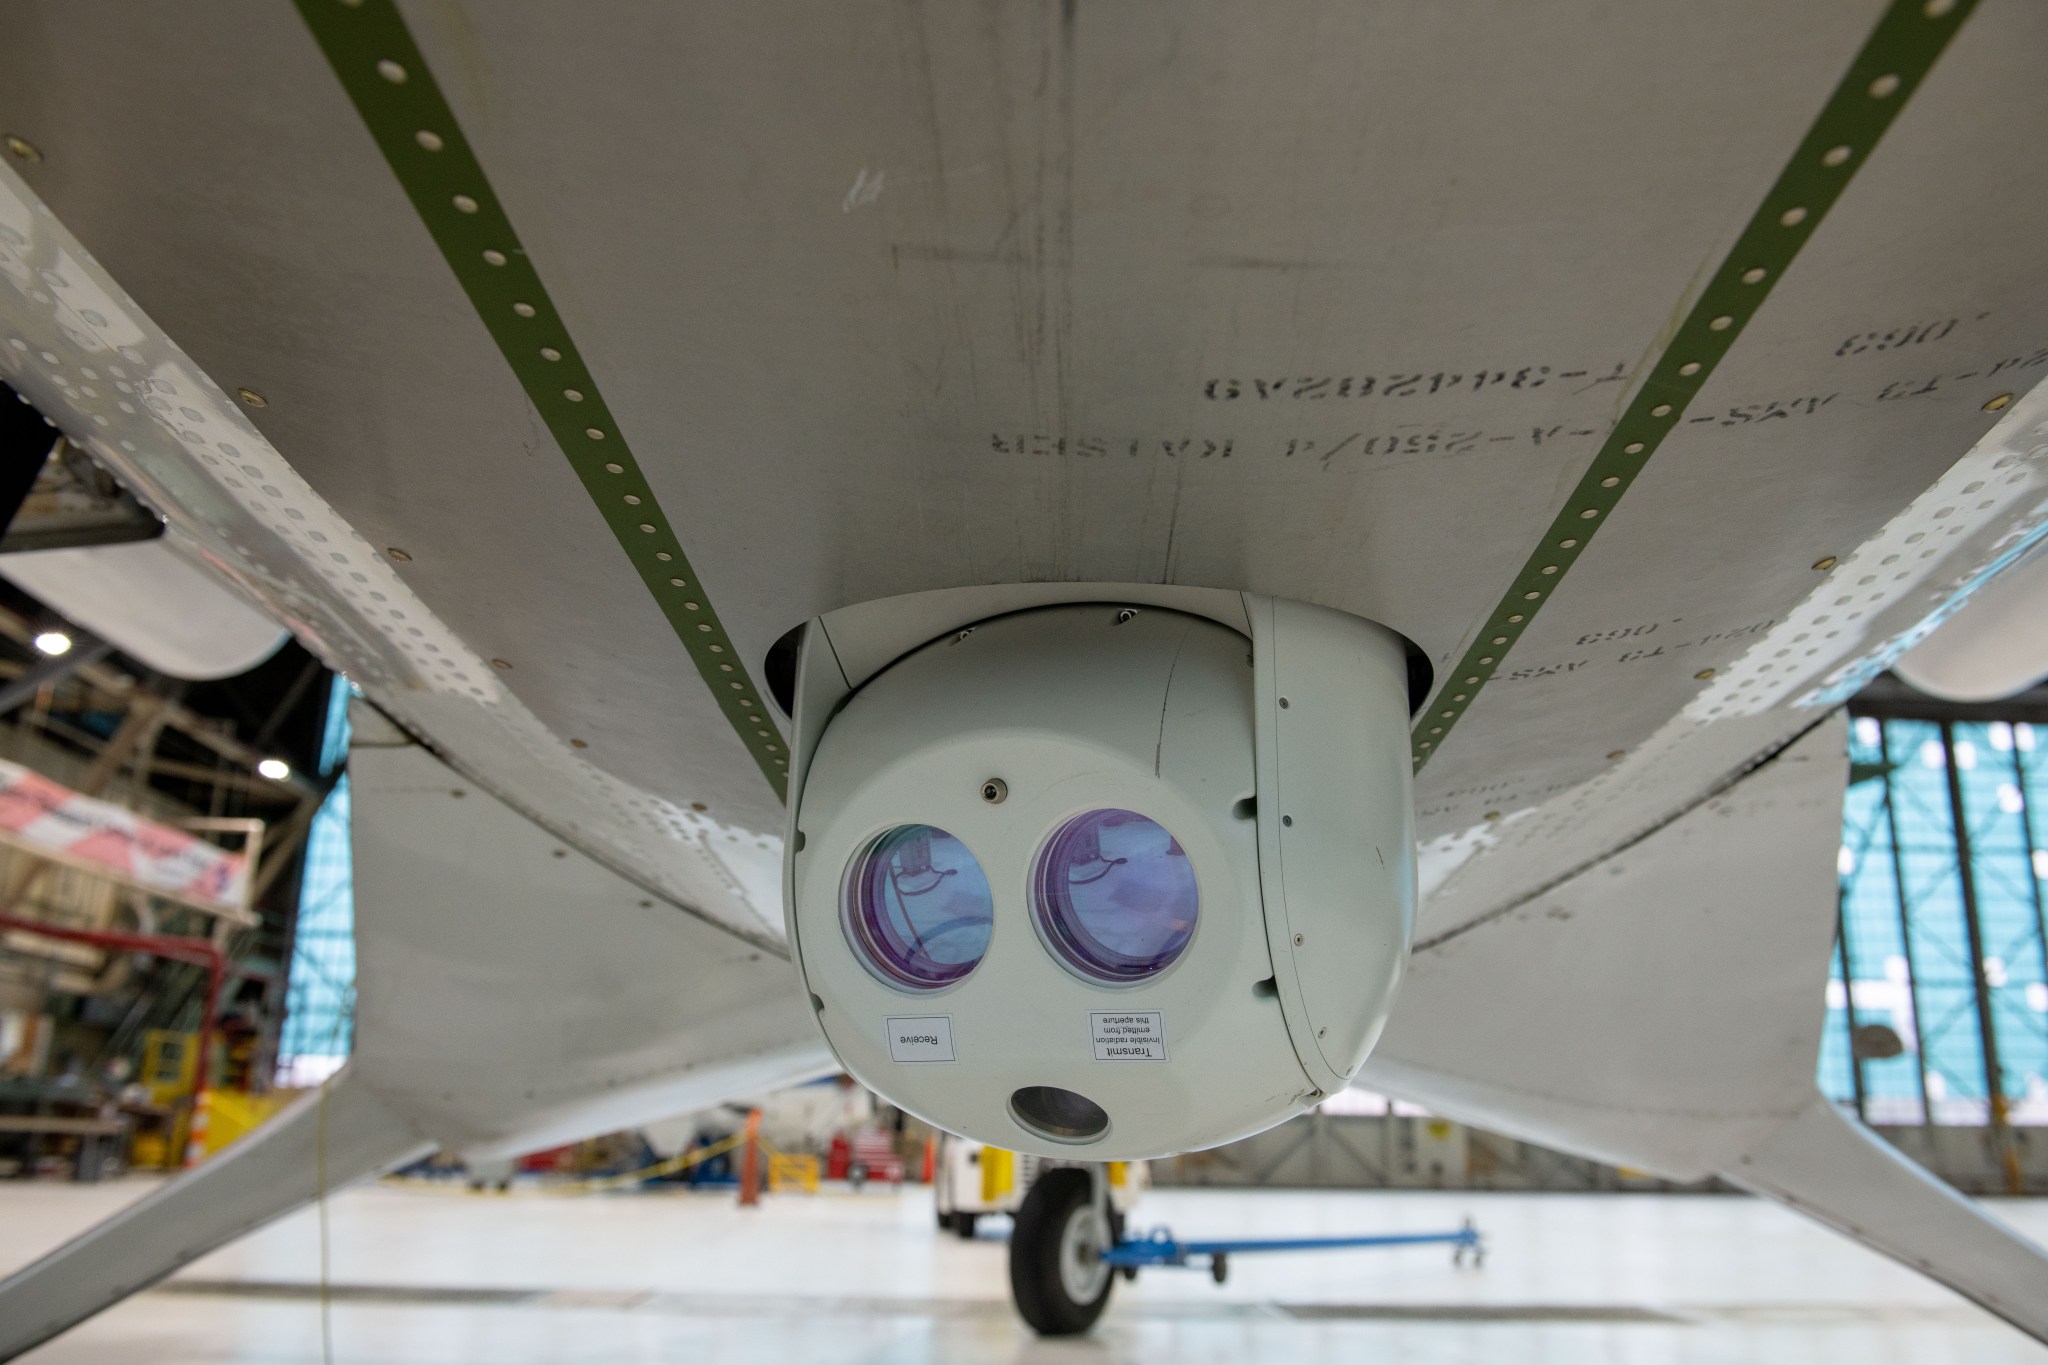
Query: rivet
<point x="1661" y="410"/>
<point x="1633" y="448"/>
<point x="1935" y="9"/>
<point x="579" y="744"/>
<point x="1884" y="87"/>
<point x="251" y="398"/>
<point x="1550" y="568"/>
<point x="1515" y="620"/>
<point x="431" y="141"/>
<point x="1491" y="815"/>
<point x="1754" y="275"/>
<point x="1995" y="404"/>
<point x="1299" y="940"/>
<point x="1609" y="481"/>
<point x="727" y="668"/>
<point x="573" y="395"/>
<point x="1835" y="156"/>
<point x="398" y="554"/>
<point x="1690" y="367"/>
<point x="550" y="353"/>
<point x="524" y="310"/>
<point x="1704" y="674"/>
<point x="1427" y="743"/>
<point x="1721" y="324"/>
<point x="663" y="555"/>
<point x="1448" y="715"/>
<point x="1589" y="514"/>
<point x="687" y="606"/>
<point x="1459" y="697"/>
<point x="594" y="433"/>
<point x="465" y="204"/>
<point x="21" y="149"/>
<point x="647" y="528"/>
<point x="614" y="469"/>
<point x="1792" y="217"/>
<point x="677" y="583"/>
<point x="632" y="501"/>
<point x="493" y="256"/>
<point x="737" y="687"/>
<point x="1500" y="639"/>
<point x="1613" y="754"/>
<point x="1531" y="596"/>
<point x="1566" y="543"/>
<point x="1486" y="659"/>
<point x="715" y="649"/>
<point x="391" y="71"/>
<point x="1824" y="563"/>
<point x="1472" y="681"/>
<point x="501" y="664"/>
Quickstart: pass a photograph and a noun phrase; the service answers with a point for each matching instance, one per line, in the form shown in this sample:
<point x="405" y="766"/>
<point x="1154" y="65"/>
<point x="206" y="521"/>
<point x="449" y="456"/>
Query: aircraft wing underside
<point x="1659" y="371"/>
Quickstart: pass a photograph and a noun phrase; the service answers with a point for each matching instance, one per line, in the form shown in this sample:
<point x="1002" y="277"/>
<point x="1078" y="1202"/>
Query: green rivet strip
<point x="1897" y="56"/>
<point x="384" y="73"/>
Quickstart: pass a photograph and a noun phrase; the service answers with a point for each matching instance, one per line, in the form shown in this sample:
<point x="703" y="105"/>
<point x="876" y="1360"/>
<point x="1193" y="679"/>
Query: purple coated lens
<point x="916" y="908"/>
<point x="1115" y="895"/>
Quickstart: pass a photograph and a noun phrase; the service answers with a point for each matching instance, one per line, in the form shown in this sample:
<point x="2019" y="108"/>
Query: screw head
<point x="398" y="554"/>
<point x="1704" y="674"/>
<point x="1824" y="563"/>
<point x="1300" y="939"/>
<point x="21" y="149"/>
<point x="995" y="791"/>
<point x="1997" y="403"/>
<point x="1126" y="616"/>
<point x="251" y="398"/>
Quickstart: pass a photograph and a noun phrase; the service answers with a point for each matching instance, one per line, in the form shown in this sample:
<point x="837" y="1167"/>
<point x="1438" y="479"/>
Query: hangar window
<point x="1938" y="999"/>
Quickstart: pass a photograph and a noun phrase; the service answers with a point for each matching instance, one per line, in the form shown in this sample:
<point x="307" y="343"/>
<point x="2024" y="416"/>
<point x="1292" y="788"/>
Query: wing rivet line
<point x="1901" y="49"/>
<point x="381" y="68"/>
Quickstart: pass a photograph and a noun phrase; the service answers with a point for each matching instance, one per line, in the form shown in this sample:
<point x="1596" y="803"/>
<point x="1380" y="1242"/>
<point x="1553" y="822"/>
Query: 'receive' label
<point x="926" y="1039"/>
<point x="1134" y="1037"/>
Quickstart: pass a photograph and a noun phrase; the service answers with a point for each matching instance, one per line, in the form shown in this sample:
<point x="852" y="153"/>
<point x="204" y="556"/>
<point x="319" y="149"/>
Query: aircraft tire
<point x="1059" y="1288"/>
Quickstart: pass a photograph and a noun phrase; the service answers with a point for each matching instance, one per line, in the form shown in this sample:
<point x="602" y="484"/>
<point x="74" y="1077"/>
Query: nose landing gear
<point x="1057" y="1274"/>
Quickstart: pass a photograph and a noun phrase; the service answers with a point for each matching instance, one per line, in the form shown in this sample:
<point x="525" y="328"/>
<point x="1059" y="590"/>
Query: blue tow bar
<point x="1160" y="1247"/>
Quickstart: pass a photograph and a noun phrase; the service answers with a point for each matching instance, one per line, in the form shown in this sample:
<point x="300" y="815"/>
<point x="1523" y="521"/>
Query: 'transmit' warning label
<point x="1134" y="1037"/>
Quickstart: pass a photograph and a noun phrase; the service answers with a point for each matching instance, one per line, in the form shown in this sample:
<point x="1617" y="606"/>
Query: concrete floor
<point x="425" y="1277"/>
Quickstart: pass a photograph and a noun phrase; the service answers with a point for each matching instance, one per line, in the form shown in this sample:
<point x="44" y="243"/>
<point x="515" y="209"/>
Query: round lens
<point x="1115" y="895"/>
<point x="916" y="907"/>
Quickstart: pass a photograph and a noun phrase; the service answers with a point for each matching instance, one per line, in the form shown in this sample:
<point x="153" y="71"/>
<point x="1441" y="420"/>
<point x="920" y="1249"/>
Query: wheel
<point x="1056" y="1274"/>
<point x="963" y="1225"/>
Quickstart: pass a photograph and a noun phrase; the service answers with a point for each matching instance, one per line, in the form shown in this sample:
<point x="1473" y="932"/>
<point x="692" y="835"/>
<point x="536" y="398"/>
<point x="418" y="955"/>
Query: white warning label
<point x="926" y="1039"/>
<point x="1135" y="1037"/>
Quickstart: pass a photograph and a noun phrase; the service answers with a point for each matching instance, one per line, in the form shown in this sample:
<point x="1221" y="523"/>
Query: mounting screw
<point x="398" y="554"/>
<point x="1999" y="402"/>
<point x="21" y="149"/>
<point x="1824" y="563"/>
<point x="1300" y="939"/>
<point x="1126" y="616"/>
<point x="994" y="790"/>
<point x="1704" y="674"/>
<point x="251" y="398"/>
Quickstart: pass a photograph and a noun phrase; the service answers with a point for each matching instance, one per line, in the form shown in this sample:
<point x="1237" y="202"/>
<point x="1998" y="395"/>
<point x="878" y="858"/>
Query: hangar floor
<point x="427" y="1277"/>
